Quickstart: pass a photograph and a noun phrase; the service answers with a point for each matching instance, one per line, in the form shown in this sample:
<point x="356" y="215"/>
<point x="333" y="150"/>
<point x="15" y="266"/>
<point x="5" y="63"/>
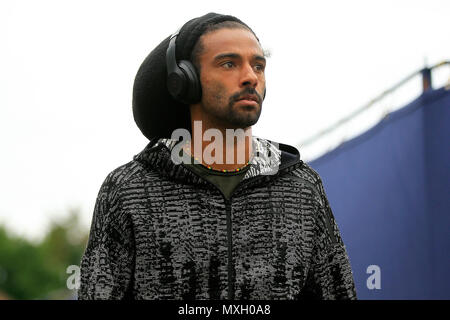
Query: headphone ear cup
<point x="193" y="87"/>
<point x="176" y="84"/>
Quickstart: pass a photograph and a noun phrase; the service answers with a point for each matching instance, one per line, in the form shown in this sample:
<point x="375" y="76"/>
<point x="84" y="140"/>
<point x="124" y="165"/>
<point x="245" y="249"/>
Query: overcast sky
<point x="67" y="70"/>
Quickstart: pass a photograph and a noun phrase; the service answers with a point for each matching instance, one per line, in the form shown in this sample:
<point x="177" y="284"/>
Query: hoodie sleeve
<point x="107" y="265"/>
<point x="330" y="276"/>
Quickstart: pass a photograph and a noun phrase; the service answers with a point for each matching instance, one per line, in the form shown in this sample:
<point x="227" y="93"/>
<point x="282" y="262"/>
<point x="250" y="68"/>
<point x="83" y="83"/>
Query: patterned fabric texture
<point x="160" y="231"/>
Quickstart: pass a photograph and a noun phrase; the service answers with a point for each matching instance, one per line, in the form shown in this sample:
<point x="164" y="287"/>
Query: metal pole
<point x="426" y="79"/>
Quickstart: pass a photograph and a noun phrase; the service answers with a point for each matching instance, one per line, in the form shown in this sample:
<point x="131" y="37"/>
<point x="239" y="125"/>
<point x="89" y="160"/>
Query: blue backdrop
<point x="389" y="190"/>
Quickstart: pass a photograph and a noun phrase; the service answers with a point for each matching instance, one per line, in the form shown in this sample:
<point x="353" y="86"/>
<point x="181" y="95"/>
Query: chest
<point x="191" y="242"/>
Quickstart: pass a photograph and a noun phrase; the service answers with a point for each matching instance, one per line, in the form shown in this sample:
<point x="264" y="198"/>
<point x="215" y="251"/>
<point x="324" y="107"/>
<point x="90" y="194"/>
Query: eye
<point x="259" y="67"/>
<point x="228" y="65"/>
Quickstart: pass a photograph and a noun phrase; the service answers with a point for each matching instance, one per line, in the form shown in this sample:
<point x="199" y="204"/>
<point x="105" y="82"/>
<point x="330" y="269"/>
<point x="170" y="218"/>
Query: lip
<point x="247" y="102"/>
<point x="250" y="97"/>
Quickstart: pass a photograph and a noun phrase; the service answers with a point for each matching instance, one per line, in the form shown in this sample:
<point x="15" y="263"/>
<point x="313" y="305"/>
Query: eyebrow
<point x="236" y="56"/>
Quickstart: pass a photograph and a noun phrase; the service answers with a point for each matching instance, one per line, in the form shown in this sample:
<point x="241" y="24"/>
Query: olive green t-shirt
<point x="225" y="181"/>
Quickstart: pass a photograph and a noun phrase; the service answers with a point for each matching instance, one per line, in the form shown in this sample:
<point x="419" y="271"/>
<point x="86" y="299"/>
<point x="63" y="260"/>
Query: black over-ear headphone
<point x="182" y="79"/>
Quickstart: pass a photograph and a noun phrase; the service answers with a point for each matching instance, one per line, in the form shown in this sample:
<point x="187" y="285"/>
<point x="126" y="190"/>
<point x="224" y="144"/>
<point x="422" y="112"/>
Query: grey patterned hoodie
<point x="160" y="231"/>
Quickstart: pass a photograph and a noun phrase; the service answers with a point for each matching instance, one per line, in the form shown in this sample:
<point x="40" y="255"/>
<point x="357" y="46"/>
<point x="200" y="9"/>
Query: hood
<point x="268" y="159"/>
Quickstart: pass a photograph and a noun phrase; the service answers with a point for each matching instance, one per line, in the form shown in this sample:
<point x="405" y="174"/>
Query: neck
<point x="213" y="146"/>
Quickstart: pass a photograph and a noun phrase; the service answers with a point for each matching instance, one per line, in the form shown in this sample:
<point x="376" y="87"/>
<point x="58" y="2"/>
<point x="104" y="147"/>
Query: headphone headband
<point x="170" y="55"/>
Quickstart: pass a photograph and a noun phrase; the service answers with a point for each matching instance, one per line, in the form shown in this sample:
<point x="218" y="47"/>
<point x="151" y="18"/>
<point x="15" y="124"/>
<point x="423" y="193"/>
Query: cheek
<point x="262" y="81"/>
<point x="213" y="90"/>
<point x="261" y="86"/>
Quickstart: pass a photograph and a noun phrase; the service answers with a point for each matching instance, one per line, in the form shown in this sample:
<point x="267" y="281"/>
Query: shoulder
<point x="123" y="175"/>
<point x="111" y="197"/>
<point x="310" y="178"/>
<point x="308" y="174"/>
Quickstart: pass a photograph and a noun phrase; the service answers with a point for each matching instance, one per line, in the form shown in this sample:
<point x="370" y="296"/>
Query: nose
<point x="248" y="77"/>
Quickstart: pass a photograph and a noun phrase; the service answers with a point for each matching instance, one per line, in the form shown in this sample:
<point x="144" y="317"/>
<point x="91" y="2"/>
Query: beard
<point x="223" y="111"/>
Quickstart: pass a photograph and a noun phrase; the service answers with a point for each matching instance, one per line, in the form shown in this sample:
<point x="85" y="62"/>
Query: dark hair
<point x="198" y="47"/>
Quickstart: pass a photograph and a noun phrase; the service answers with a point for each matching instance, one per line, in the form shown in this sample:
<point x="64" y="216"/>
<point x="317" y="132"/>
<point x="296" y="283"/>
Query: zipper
<point x="230" y="265"/>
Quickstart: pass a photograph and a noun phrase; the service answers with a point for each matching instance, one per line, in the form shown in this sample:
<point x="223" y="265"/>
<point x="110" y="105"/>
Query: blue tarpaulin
<point x="389" y="190"/>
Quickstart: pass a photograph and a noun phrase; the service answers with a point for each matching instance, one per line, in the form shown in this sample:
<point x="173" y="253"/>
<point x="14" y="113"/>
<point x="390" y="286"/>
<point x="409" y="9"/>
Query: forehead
<point x="241" y="41"/>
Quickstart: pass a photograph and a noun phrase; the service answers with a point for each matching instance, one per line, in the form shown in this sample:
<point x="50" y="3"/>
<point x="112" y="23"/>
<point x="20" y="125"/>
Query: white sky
<point x="67" y="70"/>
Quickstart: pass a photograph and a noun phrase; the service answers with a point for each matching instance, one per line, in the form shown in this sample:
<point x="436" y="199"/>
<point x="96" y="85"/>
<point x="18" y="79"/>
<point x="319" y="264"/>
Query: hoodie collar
<point x="268" y="159"/>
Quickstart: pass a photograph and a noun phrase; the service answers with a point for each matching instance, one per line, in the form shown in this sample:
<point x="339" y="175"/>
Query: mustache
<point x="246" y="91"/>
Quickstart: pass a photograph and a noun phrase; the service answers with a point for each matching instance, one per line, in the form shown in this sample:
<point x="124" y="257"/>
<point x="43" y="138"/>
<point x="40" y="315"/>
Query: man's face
<point x="232" y="77"/>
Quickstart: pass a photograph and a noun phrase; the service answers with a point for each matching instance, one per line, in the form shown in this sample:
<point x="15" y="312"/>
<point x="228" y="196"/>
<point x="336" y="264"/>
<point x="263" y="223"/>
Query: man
<point x="243" y="219"/>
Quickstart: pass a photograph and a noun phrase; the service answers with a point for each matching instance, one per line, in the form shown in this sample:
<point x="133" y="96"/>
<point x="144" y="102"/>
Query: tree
<point x="38" y="271"/>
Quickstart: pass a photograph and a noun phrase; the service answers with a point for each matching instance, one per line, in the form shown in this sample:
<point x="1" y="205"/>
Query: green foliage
<point x="38" y="270"/>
